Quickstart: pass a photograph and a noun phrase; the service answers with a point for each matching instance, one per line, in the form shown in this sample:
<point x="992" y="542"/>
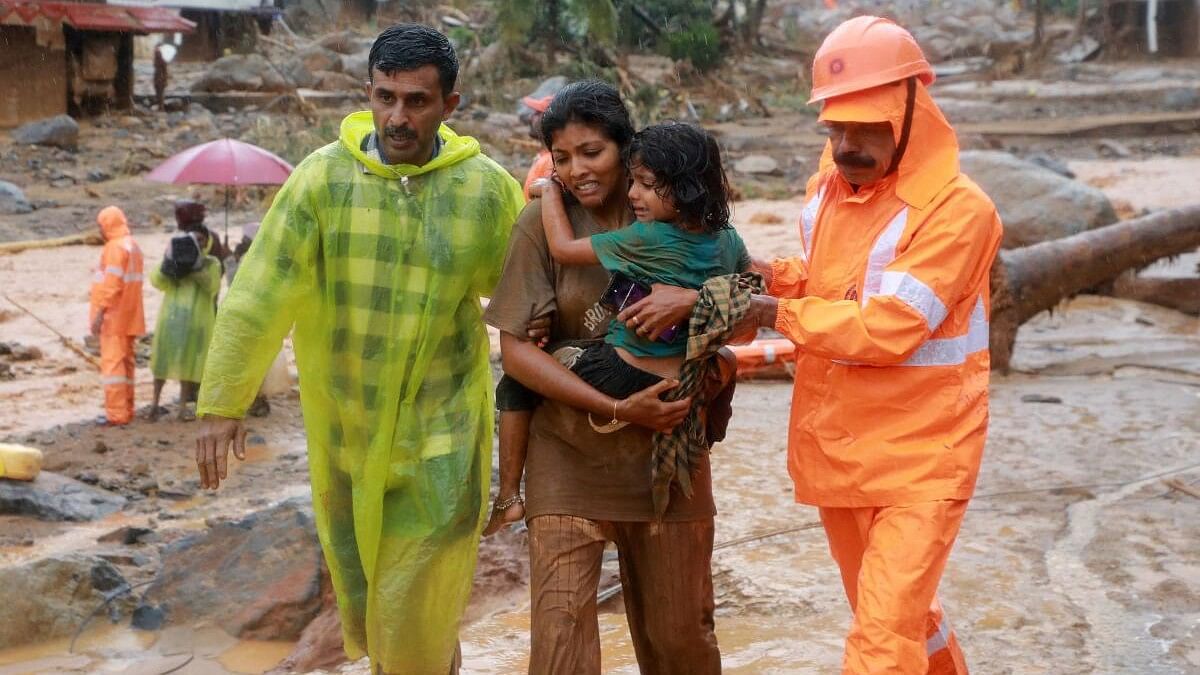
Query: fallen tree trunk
<point x="1033" y="279"/>
<point x="90" y="238"/>
<point x="1179" y="294"/>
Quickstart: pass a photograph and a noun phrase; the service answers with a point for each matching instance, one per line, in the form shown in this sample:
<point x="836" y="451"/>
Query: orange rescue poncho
<point x="888" y="306"/>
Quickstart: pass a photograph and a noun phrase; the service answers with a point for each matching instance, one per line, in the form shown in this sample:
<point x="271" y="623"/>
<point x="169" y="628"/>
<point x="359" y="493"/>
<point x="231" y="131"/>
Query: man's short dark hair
<point x="408" y="46"/>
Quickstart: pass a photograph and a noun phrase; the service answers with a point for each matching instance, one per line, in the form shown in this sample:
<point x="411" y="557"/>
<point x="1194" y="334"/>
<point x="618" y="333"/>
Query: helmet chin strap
<point x="909" y="102"/>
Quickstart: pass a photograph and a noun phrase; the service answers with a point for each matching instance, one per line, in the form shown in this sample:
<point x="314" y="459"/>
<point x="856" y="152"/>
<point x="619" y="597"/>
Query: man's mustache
<point x="400" y="133"/>
<point x="854" y="160"/>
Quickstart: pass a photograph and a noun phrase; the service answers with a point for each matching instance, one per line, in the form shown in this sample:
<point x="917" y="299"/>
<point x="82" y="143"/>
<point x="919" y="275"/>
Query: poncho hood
<point x="357" y="126"/>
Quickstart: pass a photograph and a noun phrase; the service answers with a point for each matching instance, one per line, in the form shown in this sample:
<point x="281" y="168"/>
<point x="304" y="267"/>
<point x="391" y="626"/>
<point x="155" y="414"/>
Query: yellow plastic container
<point x="19" y="462"/>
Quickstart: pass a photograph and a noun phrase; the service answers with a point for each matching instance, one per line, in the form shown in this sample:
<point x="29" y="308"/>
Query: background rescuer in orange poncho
<point x="116" y="313"/>
<point x="888" y="306"/>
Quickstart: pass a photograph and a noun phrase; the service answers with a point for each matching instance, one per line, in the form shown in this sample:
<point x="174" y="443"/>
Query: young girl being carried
<point x="681" y="237"/>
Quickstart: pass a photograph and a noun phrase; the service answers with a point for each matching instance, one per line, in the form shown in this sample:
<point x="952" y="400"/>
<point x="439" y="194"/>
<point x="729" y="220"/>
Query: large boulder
<point x="330" y="81"/>
<point x="60" y="131"/>
<point x="52" y="597"/>
<point x="242" y="72"/>
<point x="55" y="497"/>
<point x="258" y="578"/>
<point x="346" y="42"/>
<point x="12" y="200"/>
<point x="1035" y="203"/>
<point x="355" y="64"/>
<point x="318" y="58"/>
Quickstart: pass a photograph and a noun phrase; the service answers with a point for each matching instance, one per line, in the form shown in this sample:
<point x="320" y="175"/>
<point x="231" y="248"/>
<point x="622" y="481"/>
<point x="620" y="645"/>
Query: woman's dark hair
<point x="591" y="102"/>
<point x="686" y="163"/>
<point x="408" y="46"/>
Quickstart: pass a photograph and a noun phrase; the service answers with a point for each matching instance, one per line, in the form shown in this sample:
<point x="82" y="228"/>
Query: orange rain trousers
<point x="116" y="374"/>
<point x="892" y="558"/>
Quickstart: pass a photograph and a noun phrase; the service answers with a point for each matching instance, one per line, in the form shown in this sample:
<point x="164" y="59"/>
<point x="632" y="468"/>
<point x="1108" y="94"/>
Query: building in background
<point x="222" y="26"/>
<point x="71" y="57"/>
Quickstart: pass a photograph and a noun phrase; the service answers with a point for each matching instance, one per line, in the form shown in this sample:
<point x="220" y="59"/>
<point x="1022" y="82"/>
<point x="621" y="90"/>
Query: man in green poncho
<point x="376" y="251"/>
<point x="185" y="319"/>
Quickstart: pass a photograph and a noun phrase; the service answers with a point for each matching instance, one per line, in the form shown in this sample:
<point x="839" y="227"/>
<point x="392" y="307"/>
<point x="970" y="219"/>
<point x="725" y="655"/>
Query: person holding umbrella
<point x="377" y="250"/>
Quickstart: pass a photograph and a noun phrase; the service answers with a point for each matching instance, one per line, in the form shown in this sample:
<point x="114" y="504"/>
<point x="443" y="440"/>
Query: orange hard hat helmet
<point x="866" y="52"/>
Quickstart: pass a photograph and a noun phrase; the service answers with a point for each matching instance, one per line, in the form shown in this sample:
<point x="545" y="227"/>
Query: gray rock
<point x="12" y="200"/>
<point x="318" y="58"/>
<point x="346" y="42"/>
<point x="55" y="497"/>
<point x="242" y="72"/>
<point x="298" y="73"/>
<point x="355" y="65"/>
<point x="1046" y="161"/>
<point x="59" y="131"/>
<point x="50" y="598"/>
<point x="1182" y="99"/>
<point x="331" y="81"/>
<point x="259" y="578"/>
<point x="756" y="165"/>
<point x="1036" y="204"/>
<point x="1114" y="149"/>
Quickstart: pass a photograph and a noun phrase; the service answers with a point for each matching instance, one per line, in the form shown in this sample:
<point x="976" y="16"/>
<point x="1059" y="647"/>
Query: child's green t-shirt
<point x="660" y="253"/>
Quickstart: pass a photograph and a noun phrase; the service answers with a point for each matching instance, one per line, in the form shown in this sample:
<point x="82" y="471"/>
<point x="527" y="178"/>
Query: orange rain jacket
<point x="117" y="282"/>
<point x="543" y="167"/>
<point x="888" y="307"/>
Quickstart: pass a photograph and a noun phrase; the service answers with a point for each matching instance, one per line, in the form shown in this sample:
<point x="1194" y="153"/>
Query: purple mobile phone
<point x="623" y="292"/>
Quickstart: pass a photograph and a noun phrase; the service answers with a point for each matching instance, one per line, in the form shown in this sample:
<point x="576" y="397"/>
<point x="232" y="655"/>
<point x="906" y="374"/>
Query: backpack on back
<point x="183" y="256"/>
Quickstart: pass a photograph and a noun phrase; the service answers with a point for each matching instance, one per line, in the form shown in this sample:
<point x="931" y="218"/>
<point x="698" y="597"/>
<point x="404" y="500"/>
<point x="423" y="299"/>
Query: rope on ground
<point x="615" y="589"/>
<point x="66" y="341"/>
<point x="122" y="590"/>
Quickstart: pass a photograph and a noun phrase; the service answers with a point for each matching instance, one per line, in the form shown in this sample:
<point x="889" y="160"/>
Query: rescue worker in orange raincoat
<point x="888" y="307"/>
<point x="116" y="313"/>
<point x="543" y="164"/>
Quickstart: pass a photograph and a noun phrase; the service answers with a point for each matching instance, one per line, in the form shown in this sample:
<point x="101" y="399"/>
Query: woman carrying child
<point x="584" y="487"/>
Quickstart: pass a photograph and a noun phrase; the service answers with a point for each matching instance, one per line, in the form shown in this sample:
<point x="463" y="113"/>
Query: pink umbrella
<point x="223" y="162"/>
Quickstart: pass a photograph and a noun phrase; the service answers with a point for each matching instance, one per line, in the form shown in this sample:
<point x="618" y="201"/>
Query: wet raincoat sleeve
<point x="114" y="264"/>
<point x="275" y="275"/>
<point x="947" y="255"/>
<point x="510" y="201"/>
<point x="788" y="277"/>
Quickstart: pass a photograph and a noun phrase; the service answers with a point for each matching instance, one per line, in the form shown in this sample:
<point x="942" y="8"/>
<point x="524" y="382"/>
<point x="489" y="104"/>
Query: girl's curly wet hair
<point x="686" y="163"/>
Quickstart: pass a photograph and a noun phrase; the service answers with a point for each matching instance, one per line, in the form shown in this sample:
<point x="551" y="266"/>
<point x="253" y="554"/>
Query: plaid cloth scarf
<point x="722" y="305"/>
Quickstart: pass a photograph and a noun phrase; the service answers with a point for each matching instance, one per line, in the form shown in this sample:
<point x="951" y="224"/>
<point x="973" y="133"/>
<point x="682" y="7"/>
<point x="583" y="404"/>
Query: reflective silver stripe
<point x="882" y="255"/>
<point x="939" y="641"/>
<point x="115" y="379"/>
<point x="808" y="221"/>
<point x="768" y="354"/>
<point x="115" y="271"/>
<point x="954" y="351"/>
<point x="915" y="294"/>
<point x="98" y="276"/>
<point x="132" y="277"/>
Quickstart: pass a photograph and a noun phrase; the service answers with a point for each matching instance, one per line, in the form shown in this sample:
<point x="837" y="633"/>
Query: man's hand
<point x="212" y="448"/>
<point x="538" y="330"/>
<point x="98" y="323"/>
<point x="646" y="409"/>
<point x="666" y="306"/>
<point x="764" y="268"/>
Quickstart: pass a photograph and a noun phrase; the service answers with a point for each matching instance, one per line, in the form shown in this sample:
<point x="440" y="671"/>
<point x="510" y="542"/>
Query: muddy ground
<point x="1075" y="557"/>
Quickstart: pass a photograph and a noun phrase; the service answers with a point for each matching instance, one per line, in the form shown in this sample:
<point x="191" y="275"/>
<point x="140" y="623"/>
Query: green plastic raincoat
<point x="380" y="269"/>
<point x="185" y="322"/>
